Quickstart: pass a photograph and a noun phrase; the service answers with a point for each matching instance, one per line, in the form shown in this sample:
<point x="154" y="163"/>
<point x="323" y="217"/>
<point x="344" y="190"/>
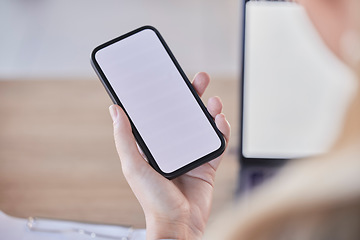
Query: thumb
<point x="130" y="157"/>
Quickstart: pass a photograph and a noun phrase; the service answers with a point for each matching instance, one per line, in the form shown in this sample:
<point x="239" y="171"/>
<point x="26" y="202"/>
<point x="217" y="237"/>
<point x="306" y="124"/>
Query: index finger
<point x="200" y="82"/>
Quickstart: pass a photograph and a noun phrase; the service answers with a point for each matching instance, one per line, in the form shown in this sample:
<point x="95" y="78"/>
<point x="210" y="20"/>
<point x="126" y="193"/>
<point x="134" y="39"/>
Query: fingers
<point x="214" y="106"/>
<point x="130" y="157"/>
<point x="139" y="174"/>
<point x="223" y="125"/>
<point x="200" y="82"/>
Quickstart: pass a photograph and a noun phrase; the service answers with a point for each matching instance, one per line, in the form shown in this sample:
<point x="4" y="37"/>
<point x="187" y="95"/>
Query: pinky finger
<point x="223" y="125"/>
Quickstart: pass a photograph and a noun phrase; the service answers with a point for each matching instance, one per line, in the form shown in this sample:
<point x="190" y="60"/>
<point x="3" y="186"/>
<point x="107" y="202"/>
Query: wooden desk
<point x="58" y="159"/>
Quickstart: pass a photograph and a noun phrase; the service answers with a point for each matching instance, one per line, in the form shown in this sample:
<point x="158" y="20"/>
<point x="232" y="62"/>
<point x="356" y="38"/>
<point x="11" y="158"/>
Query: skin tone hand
<point x="178" y="208"/>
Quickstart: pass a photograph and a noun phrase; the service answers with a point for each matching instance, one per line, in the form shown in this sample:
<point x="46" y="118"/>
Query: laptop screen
<point x="295" y="91"/>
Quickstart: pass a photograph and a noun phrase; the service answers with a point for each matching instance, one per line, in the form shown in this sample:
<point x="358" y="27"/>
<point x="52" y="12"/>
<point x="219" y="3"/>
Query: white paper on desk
<point x="12" y="228"/>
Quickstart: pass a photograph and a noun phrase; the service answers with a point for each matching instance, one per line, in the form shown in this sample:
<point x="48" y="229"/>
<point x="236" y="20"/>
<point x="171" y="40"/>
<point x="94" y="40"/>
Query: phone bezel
<point x="140" y="141"/>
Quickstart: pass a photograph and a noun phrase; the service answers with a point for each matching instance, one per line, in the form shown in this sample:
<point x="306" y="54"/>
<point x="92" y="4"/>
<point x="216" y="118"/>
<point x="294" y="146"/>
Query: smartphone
<point x="169" y="121"/>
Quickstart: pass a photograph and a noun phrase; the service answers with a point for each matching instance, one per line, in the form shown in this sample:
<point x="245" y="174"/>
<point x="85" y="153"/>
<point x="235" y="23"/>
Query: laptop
<point x="294" y="91"/>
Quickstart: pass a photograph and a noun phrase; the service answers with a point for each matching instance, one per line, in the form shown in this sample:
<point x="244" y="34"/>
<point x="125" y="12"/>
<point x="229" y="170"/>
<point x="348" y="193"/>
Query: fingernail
<point x="113" y="112"/>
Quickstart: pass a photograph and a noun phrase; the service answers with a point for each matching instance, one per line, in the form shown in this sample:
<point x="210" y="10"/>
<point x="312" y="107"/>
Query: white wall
<point x="53" y="39"/>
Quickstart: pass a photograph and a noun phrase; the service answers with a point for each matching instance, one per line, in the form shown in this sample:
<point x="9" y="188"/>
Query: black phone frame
<point x="136" y="134"/>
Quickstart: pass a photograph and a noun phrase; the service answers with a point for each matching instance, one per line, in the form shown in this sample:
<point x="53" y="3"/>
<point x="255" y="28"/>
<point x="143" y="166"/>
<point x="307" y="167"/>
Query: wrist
<point x="157" y="228"/>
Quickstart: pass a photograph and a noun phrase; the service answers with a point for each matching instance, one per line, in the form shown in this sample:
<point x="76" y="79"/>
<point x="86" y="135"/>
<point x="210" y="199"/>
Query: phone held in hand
<point x="168" y="119"/>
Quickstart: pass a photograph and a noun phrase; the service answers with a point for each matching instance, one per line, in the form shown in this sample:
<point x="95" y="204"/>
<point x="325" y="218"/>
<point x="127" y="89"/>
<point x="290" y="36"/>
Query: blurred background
<point x="57" y="154"/>
<point x="53" y="39"/>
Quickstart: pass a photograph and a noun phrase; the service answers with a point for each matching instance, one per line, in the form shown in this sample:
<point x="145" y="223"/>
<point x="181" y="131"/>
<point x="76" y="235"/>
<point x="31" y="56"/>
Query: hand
<point x="177" y="208"/>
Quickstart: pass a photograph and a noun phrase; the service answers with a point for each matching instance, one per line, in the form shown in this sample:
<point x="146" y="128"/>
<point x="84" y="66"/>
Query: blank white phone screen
<point x="295" y="89"/>
<point x="158" y="101"/>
